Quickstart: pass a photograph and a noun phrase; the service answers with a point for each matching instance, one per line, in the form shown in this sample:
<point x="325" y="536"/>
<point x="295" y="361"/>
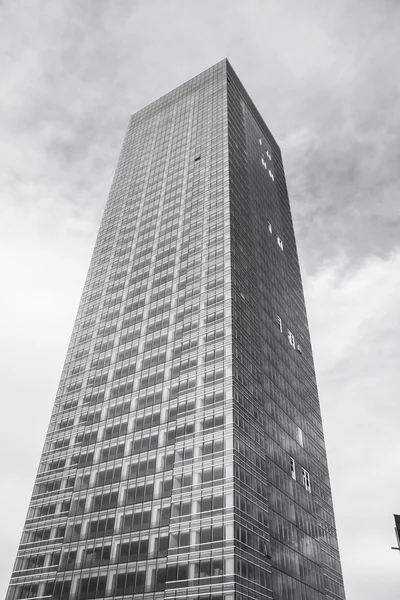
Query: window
<point x="165" y="515"/>
<point x="291" y="339"/>
<point x="182" y="509"/>
<point x="140" y="493"/>
<point x="166" y="489"/>
<point x="161" y="546"/>
<point x="213" y="421"/>
<point x="207" y="568"/>
<point x="306" y="480"/>
<point x="213" y="398"/>
<point x="109" y="476"/>
<point x="68" y="559"/>
<point x="280" y="243"/>
<point x="214" y="355"/>
<point x="127" y="583"/>
<point x="99" y="555"/>
<point x="58" y="589"/>
<point x="104" y="501"/>
<point x="183" y="454"/>
<point x="101" y="527"/>
<point x="183" y="480"/>
<point x="112" y="452"/>
<point x="136" y="521"/>
<point x="78" y="506"/>
<point x="270" y="173"/>
<point x="168" y="461"/>
<point x="122" y="389"/>
<point x="179" y="539"/>
<point x="293" y="468"/>
<point x="269" y="227"/>
<point x="134" y="550"/>
<point x="210" y="534"/>
<point x="209" y="475"/>
<point x="116" y="430"/>
<point x="87" y="438"/>
<point x="212" y="376"/>
<point x="279" y="321"/>
<point x="300" y="437"/>
<point x="211" y="503"/>
<point x="213" y="446"/>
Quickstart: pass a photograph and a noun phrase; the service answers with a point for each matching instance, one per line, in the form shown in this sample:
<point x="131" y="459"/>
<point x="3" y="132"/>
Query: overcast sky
<point x="325" y="77"/>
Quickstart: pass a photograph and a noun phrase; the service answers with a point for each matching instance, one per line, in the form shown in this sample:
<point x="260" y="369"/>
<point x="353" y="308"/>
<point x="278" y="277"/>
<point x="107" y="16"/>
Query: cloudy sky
<point x="325" y="77"/>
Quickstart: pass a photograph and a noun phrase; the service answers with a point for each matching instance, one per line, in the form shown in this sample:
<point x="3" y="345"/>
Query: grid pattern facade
<point x="185" y="455"/>
<point x="280" y="459"/>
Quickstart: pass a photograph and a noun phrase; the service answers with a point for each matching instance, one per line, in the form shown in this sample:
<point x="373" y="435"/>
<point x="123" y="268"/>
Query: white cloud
<point x="357" y="304"/>
<point x="322" y="76"/>
<point x="354" y="322"/>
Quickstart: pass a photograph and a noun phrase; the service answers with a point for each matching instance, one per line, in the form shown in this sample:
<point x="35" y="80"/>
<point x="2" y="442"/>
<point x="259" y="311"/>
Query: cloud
<point x="361" y="300"/>
<point x="354" y="322"/>
<point x="324" y="78"/>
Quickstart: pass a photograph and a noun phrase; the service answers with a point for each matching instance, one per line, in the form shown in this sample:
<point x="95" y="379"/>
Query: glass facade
<point x="185" y="454"/>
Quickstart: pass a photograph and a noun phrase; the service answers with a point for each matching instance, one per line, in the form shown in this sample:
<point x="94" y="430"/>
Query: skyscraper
<point x="185" y="455"/>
